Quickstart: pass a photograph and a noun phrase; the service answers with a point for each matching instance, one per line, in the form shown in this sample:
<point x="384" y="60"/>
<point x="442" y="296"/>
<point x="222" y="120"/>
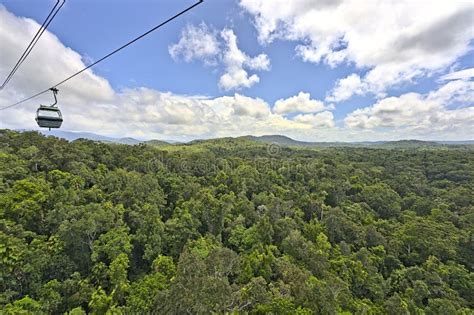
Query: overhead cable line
<point x="107" y="56"/>
<point x="35" y="40"/>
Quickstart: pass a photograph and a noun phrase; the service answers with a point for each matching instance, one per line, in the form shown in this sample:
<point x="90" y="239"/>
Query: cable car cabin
<point x="49" y="117"/>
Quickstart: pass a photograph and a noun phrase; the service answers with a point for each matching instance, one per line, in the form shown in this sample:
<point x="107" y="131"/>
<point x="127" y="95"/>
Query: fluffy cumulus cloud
<point x="212" y="47"/>
<point x="320" y="120"/>
<point x="47" y="64"/>
<point x="347" y="87"/>
<point x="196" y="43"/>
<point x="234" y="59"/>
<point x="90" y="104"/>
<point x="301" y="103"/>
<point x="395" y="41"/>
<point x="465" y="74"/>
<point x="436" y="113"/>
<point x="242" y="106"/>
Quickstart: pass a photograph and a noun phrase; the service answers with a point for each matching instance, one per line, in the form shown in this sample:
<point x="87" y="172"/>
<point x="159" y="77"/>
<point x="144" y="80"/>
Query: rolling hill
<point x="278" y="139"/>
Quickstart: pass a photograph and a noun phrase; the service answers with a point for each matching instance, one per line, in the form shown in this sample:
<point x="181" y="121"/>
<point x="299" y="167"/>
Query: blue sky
<point x="93" y="28"/>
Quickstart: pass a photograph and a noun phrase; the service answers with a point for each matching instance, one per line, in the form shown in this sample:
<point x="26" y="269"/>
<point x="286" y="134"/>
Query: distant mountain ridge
<point x="278" y="139"/>
<point x="156" y="143"/>
<point x="71" y="136"/>
<point x="287" y="141"/>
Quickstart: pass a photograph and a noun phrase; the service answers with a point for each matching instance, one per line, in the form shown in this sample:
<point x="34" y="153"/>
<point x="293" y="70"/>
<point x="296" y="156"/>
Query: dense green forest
<point x="233" y="226"/>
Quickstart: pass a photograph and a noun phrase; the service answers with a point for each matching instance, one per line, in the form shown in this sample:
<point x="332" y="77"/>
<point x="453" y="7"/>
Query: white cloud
<point x="396" y="41"/>
<point x="320" y="120"/>
<point x="406" y="110"/>
<point x="421" y="115"/>
<point x="213" y="48"/>
<point x="196" y="43"/>
<point x="465" y="74"/>
<point x="237" y="78"/>
<point x="346" y="87"/>
<point x="459" y="91"/>
<point x="235" y="60"/>
<point x="247" y="106"/>
<point x="301" y="103"/>
<point x="48" y="63"/>
<point x="261" y="62"/>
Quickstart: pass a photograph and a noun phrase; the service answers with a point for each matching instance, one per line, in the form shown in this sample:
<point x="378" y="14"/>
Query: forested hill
<point x="233" y="226"/>
<point x="276" y="139"/>
<point x="400" y="144"/>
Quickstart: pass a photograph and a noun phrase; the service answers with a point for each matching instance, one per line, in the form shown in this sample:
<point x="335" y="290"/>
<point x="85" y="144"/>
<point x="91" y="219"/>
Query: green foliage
<point x="221" y="226"/>
<point x="382" y="199"/>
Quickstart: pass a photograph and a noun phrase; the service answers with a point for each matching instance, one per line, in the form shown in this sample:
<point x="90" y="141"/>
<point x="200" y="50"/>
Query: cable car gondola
<point x="49" y="116"/>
